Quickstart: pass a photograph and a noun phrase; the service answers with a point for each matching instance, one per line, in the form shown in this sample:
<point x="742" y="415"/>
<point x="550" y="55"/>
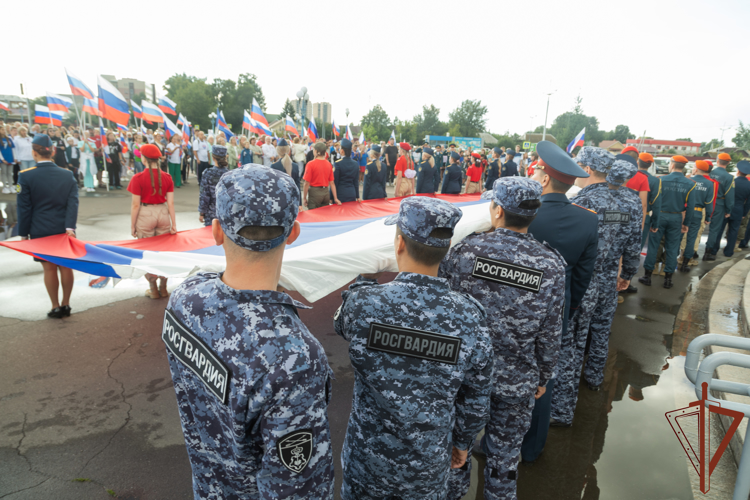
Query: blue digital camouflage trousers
<point x="572" y="351"/>
<point x="601" y="325"/>
<point x="509" y="421"/>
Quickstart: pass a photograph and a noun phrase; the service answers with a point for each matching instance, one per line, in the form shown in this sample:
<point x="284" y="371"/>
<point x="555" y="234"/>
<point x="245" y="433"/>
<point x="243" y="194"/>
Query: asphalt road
<point x="87" y="405"/>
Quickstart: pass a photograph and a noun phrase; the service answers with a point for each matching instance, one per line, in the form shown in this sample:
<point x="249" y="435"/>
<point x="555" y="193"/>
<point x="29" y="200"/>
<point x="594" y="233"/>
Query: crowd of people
<point x="494" y="333"/>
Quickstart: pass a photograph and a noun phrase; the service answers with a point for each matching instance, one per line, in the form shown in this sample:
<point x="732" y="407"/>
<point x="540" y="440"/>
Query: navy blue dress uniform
<point x="704" y="201"/>
<point x="252" y="383"/>
<point x="677" y="197"/>
<point x="295" y="171"/>
<point x="509" y="168"/>
<point x="626" y="219"/>
<point x="422" y="362"/>
<point x="453" y="178"/>
<point x="573" y="231"/>
<point x="209" y="181"/>
<point x="428" y="176"/>
<point x="724" y="205"/>
<point x="375" y="179"/>
<point x="741" y="206"/>
<point x="47" y="197"/>
<point x="521" y="283"/>
<point x="346" y="175"/>
<point x="493" y="170"/>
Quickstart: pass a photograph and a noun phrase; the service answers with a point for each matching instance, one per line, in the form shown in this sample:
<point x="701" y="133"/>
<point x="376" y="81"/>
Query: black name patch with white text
<point x="517" y="276"/>
<point x="415" y="343"/>
<point x="615" y="217"/>
<point x="193" y="352"/>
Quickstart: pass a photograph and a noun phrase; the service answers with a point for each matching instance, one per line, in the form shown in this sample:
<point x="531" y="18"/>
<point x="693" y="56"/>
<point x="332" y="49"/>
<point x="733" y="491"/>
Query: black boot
<point x="668" y="280"/>
<point x="706" y="255"/>
<point x="684" y="266"/>
<point x="646" y="278"/>
<point x="709" y="256"/>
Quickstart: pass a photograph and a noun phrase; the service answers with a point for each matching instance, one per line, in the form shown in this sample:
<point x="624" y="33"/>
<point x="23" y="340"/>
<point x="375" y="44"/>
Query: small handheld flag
<point x="77" y="87"/>
<point x="348" y="132"/>
<point x="393" y="135"/>
<point x="167" y="105"/>
<point x="335" y="129"/>
<point x="144" y="130"/>
<point x="578" y="141"/>
<point x="362" y="137"/>
<point x="137" y="111"/>
<point x="122" y="127"/>
<point x="123" y="143"/>
<point x="257" y="114"/>
<point x="151" y="113"/>
<point x="103" y="138"/>
<point x="186" y="134"/>
<point x="221" y="124"/>
<point x="312" y="131"/>
<point x="58" y="103"/>
<point x="181" y="120"/>
<point x="112" y="104"/>
<point x="170" y="129"/>
<point x="289" y="127"/>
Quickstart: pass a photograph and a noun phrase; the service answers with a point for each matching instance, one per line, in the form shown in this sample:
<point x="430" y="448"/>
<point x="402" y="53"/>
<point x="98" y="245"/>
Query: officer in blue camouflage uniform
<point x="678" y="196"/>
<point x="423" y="366"/>
<point x="493" y="171"/>
<point x="723" y="207"/>
<point x="252" y="383"/>
<point x="209" y="180"/>
<point x="521" y="283"/>
<point x="704" y="201"/>
<point x="626" y="219"/>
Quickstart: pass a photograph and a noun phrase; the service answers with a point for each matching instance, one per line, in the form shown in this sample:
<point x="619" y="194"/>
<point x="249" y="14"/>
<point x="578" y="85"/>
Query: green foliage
<point x="428" y="122"/>
<point x="671" y="151"/>
<point x="621" y="133"/>
<point x="376" y="124"/>
<point x="81" y="480"/>
<point x="196" y="102"/>
<point x="508" y="140"/>
<point x="742" y="138"/>
<point x="712" y="144"/>
<point x="569" y="124"/>
<point x="688" y="139"/>
<point x="468" y="119"/>
<point x="287" y="110"/>
<point x="112" y="493"/>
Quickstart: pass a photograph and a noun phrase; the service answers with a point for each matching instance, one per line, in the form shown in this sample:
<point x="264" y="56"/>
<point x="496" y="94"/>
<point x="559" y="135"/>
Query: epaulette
<point x="370" y="163"/>
<point x="579" y="206"/>
<point x="339" y="160"/>
<point x="26" y="170"/>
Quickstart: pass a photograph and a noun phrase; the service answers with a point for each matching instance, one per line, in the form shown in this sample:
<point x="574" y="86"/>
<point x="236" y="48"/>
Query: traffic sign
<point x="526" y="145"/>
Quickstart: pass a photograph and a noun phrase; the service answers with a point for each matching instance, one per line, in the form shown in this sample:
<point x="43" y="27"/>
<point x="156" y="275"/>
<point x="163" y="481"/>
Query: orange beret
<point x="628" y="149"/>
<point x="150" y="151"/>
<point x="679" y="159"/>
<point x="646" y="157"/>
<point x="701" y="165"/>
<point x="725" y="157"/>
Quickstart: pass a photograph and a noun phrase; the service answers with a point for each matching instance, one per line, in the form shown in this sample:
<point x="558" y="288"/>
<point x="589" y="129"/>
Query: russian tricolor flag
<point x="348" y="132"/>
<point x="122" y="127"/>
<point x="362" y="137"/>
<point x="112" y="104"/>
<point x="335" y="129"/>
<point x="58" y="103"/>
<point x="221" y="124"/>
<point x="151" y="113"/>
<point x="170" y="129"/>
<point x="4" y="106"/>
<point x="167" y="105"/>
<point x="181" y="120"/>
<point x="123" y="143"/>
<point x="103" y="138"/>
<point x="91" y="106"/>
<point x="186" y="134"/>
<point x="289" y="127"/>
<point x="137" y="111"/>
<point x="578" y="141"/>
<point x="312" y="131"/>
<point x="42" y="114"/>
<point x="77" y="87"/>
<point x="258" y="115"/>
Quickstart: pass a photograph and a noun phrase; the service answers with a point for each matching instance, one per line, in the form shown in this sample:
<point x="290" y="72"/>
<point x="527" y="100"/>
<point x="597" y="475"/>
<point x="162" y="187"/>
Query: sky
<point x="673" y="69"/>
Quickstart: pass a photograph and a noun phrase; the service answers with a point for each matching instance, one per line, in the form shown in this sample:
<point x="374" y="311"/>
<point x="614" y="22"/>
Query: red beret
<point x="628" y="149"/>
<point x="150" y="151"/>
<point x="679" y="159"/>
<point x="405" y="146"/>
<point x="476" y="155"/>
<point x="725" y="157"/>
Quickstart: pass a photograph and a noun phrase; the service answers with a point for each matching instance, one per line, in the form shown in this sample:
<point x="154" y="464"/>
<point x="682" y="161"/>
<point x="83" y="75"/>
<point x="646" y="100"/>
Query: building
<point x="732" y="151"/>
<point x="322" y="111"/>
<point x="612" y="146"/>
<point x="130" y="87"/>
<point x="306" y="105"/>
<point x="660" y="146"/>
<point x="533" y="137"/>
<point x="18" y="108"/>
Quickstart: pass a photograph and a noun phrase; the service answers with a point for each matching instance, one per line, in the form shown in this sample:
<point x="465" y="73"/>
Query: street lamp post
<point x="212" y="116"/>
<point x="544" y="133"/>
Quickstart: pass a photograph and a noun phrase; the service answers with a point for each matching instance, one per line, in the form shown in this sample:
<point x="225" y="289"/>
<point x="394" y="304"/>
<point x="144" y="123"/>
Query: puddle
<point x="640" y="318"/>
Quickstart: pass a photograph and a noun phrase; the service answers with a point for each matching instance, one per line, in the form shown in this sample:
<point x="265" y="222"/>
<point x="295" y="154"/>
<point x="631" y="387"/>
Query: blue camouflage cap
<point x="509" y="192"/>
<point x="258" y="196"/>
<point x="220" y="151"/>
<point x="597" y="159"/>
<point x="419" y="215"/>
<point x="621" y="172"/>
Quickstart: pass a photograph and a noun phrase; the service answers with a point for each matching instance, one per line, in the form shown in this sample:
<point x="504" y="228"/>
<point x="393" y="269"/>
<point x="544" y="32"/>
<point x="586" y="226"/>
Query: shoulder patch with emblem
<point x="195" y="354"/>
<point x="579" y="206"/>
<point x="295" y="450"/>
<point x="507" y="273"/>
<point x="414" y="343"/>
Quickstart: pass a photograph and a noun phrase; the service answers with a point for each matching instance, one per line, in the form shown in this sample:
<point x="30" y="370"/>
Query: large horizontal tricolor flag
<point x="578" y="141"/>
<point x="312" y="131"/>
<point x="4" y="106"/>
<point x="167" y="105"/>
<point x="170" y="129"/>
<point x="43" y="115"/>
<point x="77" y="87"/>
<point x="336" y="243"/>
<point x="289" y="126"/>
<point x="335" y="129"/>
<point x="258" y="115"/>
<point x="137" y="111"/>
<point x="112" y="105"/>
<point x="58" y="103"/>
<point x="221" y="124"/>
<point x="91" y="106"/>
<point x="151" y="113"/>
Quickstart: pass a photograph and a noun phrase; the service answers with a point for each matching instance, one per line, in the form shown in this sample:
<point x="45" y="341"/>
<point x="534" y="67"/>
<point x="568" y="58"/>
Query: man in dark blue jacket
<point x="48" y="205"/>
<point x="741" y="205"/>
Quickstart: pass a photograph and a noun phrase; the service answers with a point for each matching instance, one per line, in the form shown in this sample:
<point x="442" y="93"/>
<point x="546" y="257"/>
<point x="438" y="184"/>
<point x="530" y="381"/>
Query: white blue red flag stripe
<point x="123" y="143"/>
<point x="58" y="103"/>
<point x="362" y="137"/>
<point x="112" y="105"/>
<point x="257" y="114"/>
<point x="103" y="138"/>
<point x="43" y="115"/>
<point x="4" y="106"/>
<point x="335" y="129"/>
<point x="77" y="87"/>
<point x="137" y="111"/>
<point x="181" y="120"/>
<point x="578" y="141"/>
<point x="186" y="134"/>
<point x="170" y="129"/>
<point x="248" y="123"/>
<point x="348" y="132"/>
<point x="289" y="127"/>
<point x="336" y="243"/>
<point x="91" y="106"/>
<point x="312" y="131"/>
<point x="124" y="128"/>
<point x="167" y="105"/>
<point x="151" y="113"/>
<point x="221" y="124"/>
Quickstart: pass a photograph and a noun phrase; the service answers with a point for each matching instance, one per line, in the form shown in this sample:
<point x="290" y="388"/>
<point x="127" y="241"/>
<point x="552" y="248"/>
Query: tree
<point x="288" y="110"/>
<point x="688" y="139"/>
<point x="380" y="122"/>
<point x="196" y="102"/>
<point x="622" y="133"/>
<point x="468" y="119"/>
<point x="712" y="144"/>
<point x="428" y="122"/>
<point x="175" y="83"/>
<point x="742" y="138"/>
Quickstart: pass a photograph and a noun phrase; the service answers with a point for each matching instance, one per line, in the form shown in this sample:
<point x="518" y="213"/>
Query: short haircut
<point x="558" y="186"/>
<point x="425" y="254"/>
<point x="42" y="151"/>
<point x="643" y="165"/>
<point x="319" y="147"/>
<point x="261" y="233"/>
<point x="678" y="165"/>
<point x="598" y="175"/>
<point x="517" y="221"/>
<point x="723" y="163"/>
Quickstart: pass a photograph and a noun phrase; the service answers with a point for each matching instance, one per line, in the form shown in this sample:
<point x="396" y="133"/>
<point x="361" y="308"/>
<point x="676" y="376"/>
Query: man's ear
<point x="296" y="229"/>
<point x="400" y="244"/>
<point x="217" y="232"/>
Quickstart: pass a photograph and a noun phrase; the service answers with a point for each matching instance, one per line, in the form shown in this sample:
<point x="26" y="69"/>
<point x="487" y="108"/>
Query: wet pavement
<point x="89" y="398"/>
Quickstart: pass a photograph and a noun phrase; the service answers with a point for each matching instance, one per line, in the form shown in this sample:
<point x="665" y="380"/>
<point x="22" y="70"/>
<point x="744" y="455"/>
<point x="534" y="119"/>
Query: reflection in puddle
<point x="638" y="317"/>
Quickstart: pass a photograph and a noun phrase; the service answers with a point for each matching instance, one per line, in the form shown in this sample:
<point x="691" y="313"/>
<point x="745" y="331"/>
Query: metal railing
<point x="699" y="375"/>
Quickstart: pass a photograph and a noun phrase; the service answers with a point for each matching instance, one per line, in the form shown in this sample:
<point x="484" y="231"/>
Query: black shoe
<point x="684" y="267"/>
<point x="66" y="311"/>
<point x="594" y="388"/>
<point x="709" y="256"/>
<point x="668" y="280"/>
<point x="57" y="312"/>
<point x="646" y="278"/>
<point x="557" y="423"/>
<point x="706" y="255"/>
<point x="631" y="289"/>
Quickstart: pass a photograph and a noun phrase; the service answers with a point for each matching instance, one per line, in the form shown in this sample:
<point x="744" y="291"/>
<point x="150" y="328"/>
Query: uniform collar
<point x="46" y="164"/>
<point x="677" y="174"/>
<point x="504" y="233"/>
<point x="423" y="280"/>
<point x="259" y="296"/>
<point x="592" y="187"/>
<point x="554" y="197"/>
